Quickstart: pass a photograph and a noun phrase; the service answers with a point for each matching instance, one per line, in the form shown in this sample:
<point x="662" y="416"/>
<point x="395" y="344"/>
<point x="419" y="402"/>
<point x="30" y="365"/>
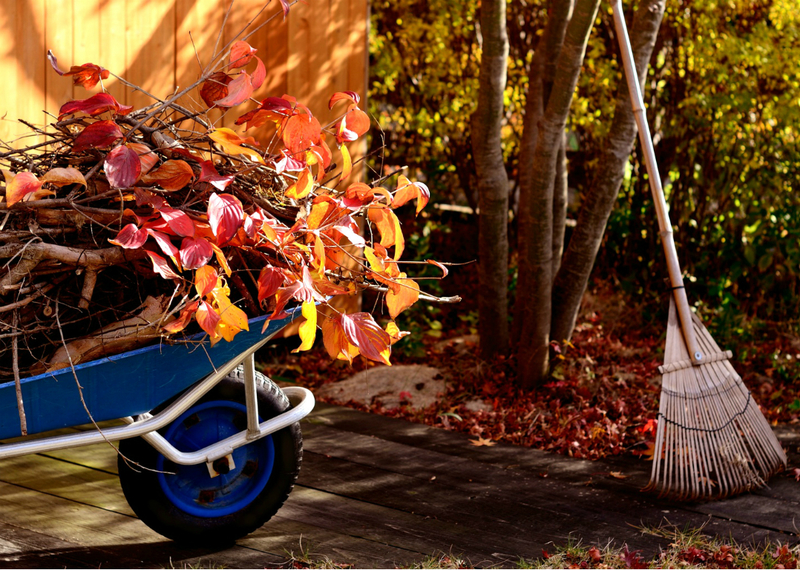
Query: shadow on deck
<point x="377" y="492"/>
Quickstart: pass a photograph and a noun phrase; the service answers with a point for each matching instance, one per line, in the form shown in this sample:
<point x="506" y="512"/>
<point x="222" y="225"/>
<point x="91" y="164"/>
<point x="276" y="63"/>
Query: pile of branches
<point x="121" y="227"/>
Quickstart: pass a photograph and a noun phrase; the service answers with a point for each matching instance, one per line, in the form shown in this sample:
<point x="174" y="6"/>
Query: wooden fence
<point x="159" y="45"/>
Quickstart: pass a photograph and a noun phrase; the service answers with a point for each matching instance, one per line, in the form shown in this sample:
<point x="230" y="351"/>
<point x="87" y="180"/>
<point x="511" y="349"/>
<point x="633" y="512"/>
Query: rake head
<point x="712" y="441"/>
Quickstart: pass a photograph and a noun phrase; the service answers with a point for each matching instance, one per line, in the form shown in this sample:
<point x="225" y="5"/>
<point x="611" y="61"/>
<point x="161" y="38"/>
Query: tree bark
<point x="536" y="207"/>
<point x="540" y="83"/>
<point x="572" y="278"/>
<point x="492" y="182"/>
<point x="560" y="192"/>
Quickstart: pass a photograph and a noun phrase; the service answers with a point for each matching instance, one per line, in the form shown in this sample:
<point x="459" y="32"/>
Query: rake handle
<point x="664" y="225"/>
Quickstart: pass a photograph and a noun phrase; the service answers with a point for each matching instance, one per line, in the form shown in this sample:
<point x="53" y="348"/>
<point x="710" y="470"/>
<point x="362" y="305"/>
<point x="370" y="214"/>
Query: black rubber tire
<point x="148" y="500"/>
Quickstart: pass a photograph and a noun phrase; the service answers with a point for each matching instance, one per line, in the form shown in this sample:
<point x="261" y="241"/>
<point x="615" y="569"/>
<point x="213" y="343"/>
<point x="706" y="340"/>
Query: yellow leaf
<point x="308" y="329"/>
<point x="231" y="143"/>
<point x="389" y="228"/>
<point x="301" y="188"/>
<point x="481" y="442"/>
<point x="347" y="163"/>
<point x="229" y="314"/>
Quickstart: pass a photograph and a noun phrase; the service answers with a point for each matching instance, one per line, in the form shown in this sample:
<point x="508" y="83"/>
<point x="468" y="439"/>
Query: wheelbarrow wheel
<point x="186" y="504"/>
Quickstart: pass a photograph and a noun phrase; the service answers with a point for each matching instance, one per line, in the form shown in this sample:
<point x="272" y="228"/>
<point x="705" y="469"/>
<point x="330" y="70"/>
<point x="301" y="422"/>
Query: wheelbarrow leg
<point x="251" y="400"/>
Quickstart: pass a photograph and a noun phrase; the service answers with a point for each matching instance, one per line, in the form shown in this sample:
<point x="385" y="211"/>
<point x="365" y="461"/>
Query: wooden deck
<point x="377" y="492"/>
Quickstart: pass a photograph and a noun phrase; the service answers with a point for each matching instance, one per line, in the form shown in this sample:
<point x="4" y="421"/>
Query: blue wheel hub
<point x="191" y="488"/>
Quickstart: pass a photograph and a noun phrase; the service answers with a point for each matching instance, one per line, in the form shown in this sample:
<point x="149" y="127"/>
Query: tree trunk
<point x="492" y="182"/>
<point x="536" y="207"/>
<point x="571" y="280"/>
<point x="540" y="83"/>
<point x="560" y="191"/>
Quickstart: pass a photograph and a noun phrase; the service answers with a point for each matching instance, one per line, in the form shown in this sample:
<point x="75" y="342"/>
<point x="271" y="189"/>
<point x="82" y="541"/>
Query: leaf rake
<point x="712" y="440"/>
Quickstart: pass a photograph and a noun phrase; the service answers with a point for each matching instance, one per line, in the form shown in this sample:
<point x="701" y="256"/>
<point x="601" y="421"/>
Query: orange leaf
<point x="307" y="329"/>
<point x="406" y="295"/>
<point x="239" y="91"/>
<point x="364" y="333"/>
<point x="303" y="186"/>
<point x="301" y="132"/>
<point x="22" y="184"/>
<point x="407" y="190"/>
<point x="205" y="279"/>
<point x="146" y="155"/>
<point x="241" y="54"/>
<point x="394" y="332"/>
<point x="207" y="318"/>
<point x="231" y="143"/>
<point x="183" y="319"/>
<point x="63" y="176"/>
<point x="389" y="228"/>
<point x="172" y="175"/>
<point x="335" y="340"/>
<point x="347" y="163"/>
<point x="230" y="314"/>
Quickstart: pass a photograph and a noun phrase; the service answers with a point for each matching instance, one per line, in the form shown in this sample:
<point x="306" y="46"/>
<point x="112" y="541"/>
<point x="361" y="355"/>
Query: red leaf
<point x="285" y="5"/>
<point x="208" y="173"/>
<point x="94" y="105"/>
<point x="122" y="167"/>
<point x="183" y="319"/>
<point x="161" y="266"/>
<point x="301" y="132"/>
<point x="351" y="96"/>
<point x="163" y="242"/>
<point x="147" y="157"/>
<point x="97" y="135"/>
<point x="260" y="74"/>
<point x="215" y="88"/>
<point x="87" y="75"/>
<point x="178" y="221"/>
<point x="130" y="237"/>
<point x="225" y="215"/>
<point x="20" y="186"/>
<point x="288" y="163"/>
<point x="239" y="90"/>
<point x="241" y="54"/>
<point x="269" y="281"/>
<point x="365" y="334"/>
<point x="195" y="253"/>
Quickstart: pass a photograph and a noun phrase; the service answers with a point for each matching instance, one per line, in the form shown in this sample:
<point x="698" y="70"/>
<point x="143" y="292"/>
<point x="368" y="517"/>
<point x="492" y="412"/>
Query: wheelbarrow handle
<point x="664" y="224"/>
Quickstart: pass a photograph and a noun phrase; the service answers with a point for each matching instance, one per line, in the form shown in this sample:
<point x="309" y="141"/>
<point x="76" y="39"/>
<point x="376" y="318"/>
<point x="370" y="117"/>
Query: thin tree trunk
<point x="492" y="182"/>
<point x="536" y="208"/>
<point x="540" y="83"/>
<point x="560" y="190"/>
<point x="572" y="278"/>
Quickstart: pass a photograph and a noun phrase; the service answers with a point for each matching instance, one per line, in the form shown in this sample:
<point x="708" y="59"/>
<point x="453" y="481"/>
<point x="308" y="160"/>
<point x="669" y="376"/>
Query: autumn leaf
<point x="335" y="341"/>
<point x="20" y="186"/>
<point x="347" y="163"/>
<point x="225" y="215"/>
<point x="215" y="88"/>
<point x="97" y="135"/>
<point x="63" y="176"/>
<point x="301" y="132"/>
<point x="389" y="227"/>
<point x="344" y="96"/>
<point x="308" y="328"/>
<point x="194" y="252"/>
<point x="184" y="318"/>
<point x="407" y="294"/>
<point x="130" y="237"/>
<point x="208" y="173"/>
<point x="122" y="167"/>
<point x="617" y="475"/>
<point x="94" y="105"/>
<point x="241" y="54"/>
<point x="177" y="220"/>
<point x="147" y="157"/>
<point x="229" y="313"/>
<point x="172" y="175"/>
<point x="354" y="124"/>
<point x="87" y="75"/>
<point x="231" y="143"/>
<point x="301" y="188"/>
<point x="269" y="281"/>
<point x="205" y="279"/>
<point x="407" y="190"/>
<point x="259" y="75"/>
<point x="164" y="243"/>
<point x="239" y="91"/>
<point x="161" y="266"/>
<point x="363" y="332"/>
<point x="207" y="318"/>
<point x="480" y="442"/>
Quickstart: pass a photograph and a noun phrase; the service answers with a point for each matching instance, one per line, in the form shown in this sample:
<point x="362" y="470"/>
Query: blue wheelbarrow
<point x="209" y="449"/>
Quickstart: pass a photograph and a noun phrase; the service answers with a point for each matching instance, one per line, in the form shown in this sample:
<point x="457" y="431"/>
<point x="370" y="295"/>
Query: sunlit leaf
<point x="350" y="96"/>
<point x="97" y="135"/>
<point x="205" y="279"/>
<point x="183" y="319"/>
<point x="363" y="332"/>
<point x="389" y="227"/>
<point x="215" y="88"/>
<point x="207" y="318"/>
<point x="225" y="215"/>
<point x="147" y="157"/>
<point x="178" y="221"/>
<point x="209" y="174"/>
<point x="405" y="296"/>
<point x="269" y="281"/>
<point x="301" y="188"/>
<point x="195" y="252"/>
<point x="161" y="266"/>
<point x="301" y="132"/>
<point x="407" y="190"/>
<point x="94" y="105"/>
<point x="231" y="143"/>
<point x="241" y="54"/>
<point x="87" y="75"/>
<point x="122" y="167"/>
<point x="172" y="175"/>
<point x="164" y="243"/>
<point x="130" y="237"/>
<point x="230" y="314"/>
<point x="239" y="90"/>
<point x="21" y="185"/>
<point x="308" y="328"/>
<point x="347" y="163"/>
<point x="335" y="341"/>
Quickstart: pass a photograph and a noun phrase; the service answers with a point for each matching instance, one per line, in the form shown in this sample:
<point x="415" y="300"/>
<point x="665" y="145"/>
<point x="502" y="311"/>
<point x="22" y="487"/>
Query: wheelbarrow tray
<point x="122" y="385"/>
